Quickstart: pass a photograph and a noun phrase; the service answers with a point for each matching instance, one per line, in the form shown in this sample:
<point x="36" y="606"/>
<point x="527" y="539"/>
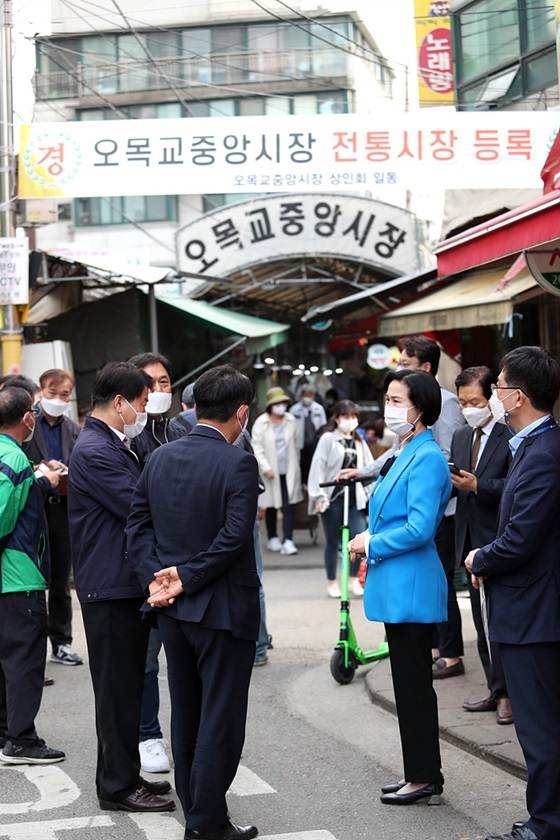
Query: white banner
<point x="349" y="152"/>
<point x="14" y="270"/>
<point x="277" y="227"/>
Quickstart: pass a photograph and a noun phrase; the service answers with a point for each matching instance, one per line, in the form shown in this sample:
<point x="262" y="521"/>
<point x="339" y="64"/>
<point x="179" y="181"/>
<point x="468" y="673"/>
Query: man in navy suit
<point x="522" y="566"/>
<point x="480" y="451"/>
<point x="190" y="538"/>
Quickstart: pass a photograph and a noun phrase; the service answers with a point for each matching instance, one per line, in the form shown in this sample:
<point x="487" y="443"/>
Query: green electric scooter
<point x="347" y="654"/>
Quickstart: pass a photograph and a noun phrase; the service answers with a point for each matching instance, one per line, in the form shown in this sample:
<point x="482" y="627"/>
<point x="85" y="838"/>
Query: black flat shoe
<point x="430" y="791"/>
<point x="392" y="788"/>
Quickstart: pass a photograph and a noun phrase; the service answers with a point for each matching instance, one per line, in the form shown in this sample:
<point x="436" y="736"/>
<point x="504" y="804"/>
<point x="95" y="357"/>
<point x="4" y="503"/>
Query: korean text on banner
<point x="434" y="52"/>
<point x="14" y="270"/>
<point x="325" y="153"/>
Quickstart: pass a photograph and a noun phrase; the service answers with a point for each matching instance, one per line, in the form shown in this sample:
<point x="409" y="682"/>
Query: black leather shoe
<point x="392" y="788"/>
<point x="442" y="671"/>
<point x="522" y="832"/>
<point x="433" y="789"/>
<point x="157" y="788"/>
<point x="229" y="831"/>
<point x="141" y="801"/>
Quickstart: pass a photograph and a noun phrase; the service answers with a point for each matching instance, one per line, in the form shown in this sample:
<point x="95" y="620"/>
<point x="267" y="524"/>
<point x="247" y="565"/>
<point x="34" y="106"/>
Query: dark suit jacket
<point x="480" y="510"/>
<point x="194" y="508"/>
<point x="523" y="562"/>
<point x="36" y="448"/>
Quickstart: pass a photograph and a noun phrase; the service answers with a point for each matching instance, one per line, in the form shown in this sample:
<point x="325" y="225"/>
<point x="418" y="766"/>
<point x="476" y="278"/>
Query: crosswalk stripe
<point x="300" y="835"/>
<point x="247" y="783"/>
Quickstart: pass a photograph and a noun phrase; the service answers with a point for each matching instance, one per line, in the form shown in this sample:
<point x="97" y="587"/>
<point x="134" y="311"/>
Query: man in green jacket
<point x="24" y="561"/>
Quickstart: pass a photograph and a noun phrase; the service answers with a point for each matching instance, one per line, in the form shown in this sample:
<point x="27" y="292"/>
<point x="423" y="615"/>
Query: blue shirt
<point x="515" y="441"/>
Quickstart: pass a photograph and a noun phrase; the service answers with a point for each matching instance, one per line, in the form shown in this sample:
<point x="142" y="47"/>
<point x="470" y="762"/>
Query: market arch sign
<point x="280" y="227"/>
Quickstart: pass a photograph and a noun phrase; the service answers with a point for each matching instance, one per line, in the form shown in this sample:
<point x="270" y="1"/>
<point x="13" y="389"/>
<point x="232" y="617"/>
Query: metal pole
<point x="11" y="332"/>
<point x="152" y="303"/>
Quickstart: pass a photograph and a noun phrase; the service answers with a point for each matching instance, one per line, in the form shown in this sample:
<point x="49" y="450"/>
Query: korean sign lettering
<point x="14" y="270"/>
<point x="321" y="223"/>
<point x="343" y="152"/>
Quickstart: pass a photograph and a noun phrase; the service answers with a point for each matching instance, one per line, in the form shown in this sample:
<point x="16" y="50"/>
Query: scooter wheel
<point x="343" y="674"/>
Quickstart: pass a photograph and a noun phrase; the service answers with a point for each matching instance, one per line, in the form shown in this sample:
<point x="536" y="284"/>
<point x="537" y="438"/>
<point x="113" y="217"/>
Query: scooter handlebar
<point x="344" y="482"/>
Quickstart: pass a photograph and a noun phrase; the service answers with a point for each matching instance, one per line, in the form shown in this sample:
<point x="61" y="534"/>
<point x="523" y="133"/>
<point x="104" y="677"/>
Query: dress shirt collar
<point x="516" y="440"/>
<point x="208" y="426"/>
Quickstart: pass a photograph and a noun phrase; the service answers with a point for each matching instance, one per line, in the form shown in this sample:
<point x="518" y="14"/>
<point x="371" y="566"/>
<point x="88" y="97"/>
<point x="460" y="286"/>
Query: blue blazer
<point x="405" y="581"/>
<point x="523" y="563"/>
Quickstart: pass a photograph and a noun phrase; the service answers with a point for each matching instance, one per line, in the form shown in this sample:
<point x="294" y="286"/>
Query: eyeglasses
<point x="495" y="388"/>
<point x="33" y="411"/>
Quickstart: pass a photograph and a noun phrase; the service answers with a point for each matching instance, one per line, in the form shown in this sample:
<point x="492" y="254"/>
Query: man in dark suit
<point x="191" y="527"/>
<point x="54" y="439"/>
<point x="522" y="565"/>
<point x="480" y="451"/>
<point x="102" y="477"/>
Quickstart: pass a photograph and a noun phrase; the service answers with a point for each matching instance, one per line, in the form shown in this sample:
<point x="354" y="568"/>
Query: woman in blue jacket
<point x="405" y="584"/>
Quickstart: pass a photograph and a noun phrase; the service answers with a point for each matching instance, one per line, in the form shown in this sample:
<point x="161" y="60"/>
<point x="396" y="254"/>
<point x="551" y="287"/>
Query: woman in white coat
<point x="275" y="444"/>
<point x="341" y="449"/>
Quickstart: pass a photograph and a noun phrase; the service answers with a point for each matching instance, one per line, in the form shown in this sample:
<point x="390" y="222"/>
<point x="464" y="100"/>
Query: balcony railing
<point x="230" y="68"/>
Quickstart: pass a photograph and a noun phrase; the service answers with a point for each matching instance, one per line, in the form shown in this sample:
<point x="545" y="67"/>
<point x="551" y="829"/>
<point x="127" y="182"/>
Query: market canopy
<point x="260" y="333"/>
<point x="531" y="225"/>
<point x="478" y="299"/>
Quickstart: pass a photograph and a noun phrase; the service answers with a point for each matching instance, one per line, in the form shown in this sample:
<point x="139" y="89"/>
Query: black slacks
<point x="410" y="652"/>
<point x="448" y="637"/>
<point x="533" y="680"/>
<point x="117" y="641"/>
<point x="209" y="673"/>
<point x="60" y="599"/>
<point x="23" y="649"/>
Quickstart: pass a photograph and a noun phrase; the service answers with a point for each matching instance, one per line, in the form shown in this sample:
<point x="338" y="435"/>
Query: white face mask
<point x="31" y="433"/>
<point x="396" y="419"/>
<point x="158" y="402"/>
<point x="132" y="430"/>
<point x="279" y="409"/>
<point x="54" y="407"/>
<point x="306" y="401"/>
<point x="496" y="406"/>
<point x="477" y="416"/>
<point x="347" y="425"/>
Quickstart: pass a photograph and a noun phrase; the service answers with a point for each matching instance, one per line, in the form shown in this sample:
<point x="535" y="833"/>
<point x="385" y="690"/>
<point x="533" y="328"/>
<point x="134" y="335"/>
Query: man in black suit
<point x="480" y="451"/>
<point x="191" y="528"/>
<point x="522" y="565"/>
<point x="54" y="439"/>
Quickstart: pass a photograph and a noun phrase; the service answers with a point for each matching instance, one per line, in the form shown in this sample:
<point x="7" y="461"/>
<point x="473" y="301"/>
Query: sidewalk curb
<point x="470" y="737"/>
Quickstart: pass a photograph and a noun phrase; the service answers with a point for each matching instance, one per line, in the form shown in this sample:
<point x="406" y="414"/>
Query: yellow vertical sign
<point x="434" y="53"/>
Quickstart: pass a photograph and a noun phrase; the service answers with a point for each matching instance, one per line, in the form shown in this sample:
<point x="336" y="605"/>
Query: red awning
<point x="533" y="224"/>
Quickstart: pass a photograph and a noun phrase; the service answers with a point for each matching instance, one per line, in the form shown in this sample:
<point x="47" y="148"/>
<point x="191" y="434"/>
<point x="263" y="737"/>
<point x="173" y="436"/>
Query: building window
<point x="505" y="51"/>
<point x="122" y="210"/>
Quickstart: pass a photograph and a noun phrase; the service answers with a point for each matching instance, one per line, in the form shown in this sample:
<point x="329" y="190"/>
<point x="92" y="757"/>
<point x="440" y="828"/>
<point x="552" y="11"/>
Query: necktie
<point x="475" y="448"/>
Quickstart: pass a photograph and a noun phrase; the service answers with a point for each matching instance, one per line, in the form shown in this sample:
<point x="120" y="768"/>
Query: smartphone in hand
<point x="453" y="469"/>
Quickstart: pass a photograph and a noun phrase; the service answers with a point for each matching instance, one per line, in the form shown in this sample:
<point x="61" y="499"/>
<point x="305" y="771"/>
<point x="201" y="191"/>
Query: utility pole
<point x="11" y="334"/>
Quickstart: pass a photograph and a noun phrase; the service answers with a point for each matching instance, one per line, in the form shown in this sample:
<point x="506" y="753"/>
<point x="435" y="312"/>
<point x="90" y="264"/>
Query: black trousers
<point x="533" y="679"/>
<point x="60" y="599"/>
<point x="448" y="637"/>
<point x="410" y="652"/>
<point x="23" y="649"/>
<point x="117" y="642"/>
<point x="288" y="515"/>
<point x="209" y="673"/>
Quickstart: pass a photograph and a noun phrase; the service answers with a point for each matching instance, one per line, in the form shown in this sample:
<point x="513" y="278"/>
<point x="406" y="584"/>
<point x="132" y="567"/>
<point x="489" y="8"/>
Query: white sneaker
<point x="288" y="547"/>
<point x="333" y="590"/>
<point x="274" y="544"/>
<point x="153" y="758"/>
<point x="355" y="587"/>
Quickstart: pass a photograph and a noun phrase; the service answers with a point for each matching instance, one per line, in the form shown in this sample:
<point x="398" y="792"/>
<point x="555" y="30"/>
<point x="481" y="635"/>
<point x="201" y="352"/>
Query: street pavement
<point x="316" y="752"/>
